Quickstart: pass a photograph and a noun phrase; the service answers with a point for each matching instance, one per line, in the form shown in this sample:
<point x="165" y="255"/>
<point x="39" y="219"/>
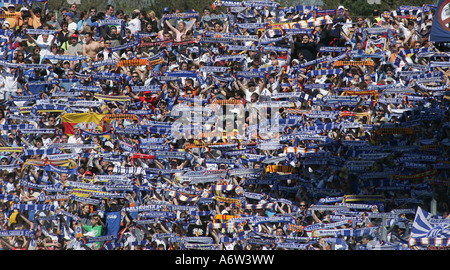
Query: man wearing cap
<point x="13" y="20"/>
<point x="75" y="48"/>
<point x="71" y="25"/>
<point x="36" y="13"/>
<point x="148" y="97"/>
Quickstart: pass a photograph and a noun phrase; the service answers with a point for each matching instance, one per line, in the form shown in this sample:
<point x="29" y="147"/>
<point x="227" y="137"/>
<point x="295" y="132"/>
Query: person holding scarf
<point x="45" y="45"/>
<point x="171" y="95"/>
<point x="36" y="15"/>
<point x="304" y="44"/>
<point x="9" y="79"/>
<point x="180" y="30"/>
<point x="94" y="230"/>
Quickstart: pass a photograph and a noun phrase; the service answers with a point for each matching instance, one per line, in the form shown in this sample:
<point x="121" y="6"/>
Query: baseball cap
<point x="11" y="5"/>
<point x="166" y="9"/>
<point x="74" y="36"/>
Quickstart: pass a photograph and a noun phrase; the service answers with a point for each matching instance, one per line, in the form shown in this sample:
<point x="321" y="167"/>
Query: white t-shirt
<point x="72" y="27"/>
<point x="45" y="46"/>
<point x="134" y="25"/>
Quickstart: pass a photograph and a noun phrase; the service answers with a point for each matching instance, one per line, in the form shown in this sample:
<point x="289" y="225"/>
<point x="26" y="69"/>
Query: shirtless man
<point x="91" y="47"/>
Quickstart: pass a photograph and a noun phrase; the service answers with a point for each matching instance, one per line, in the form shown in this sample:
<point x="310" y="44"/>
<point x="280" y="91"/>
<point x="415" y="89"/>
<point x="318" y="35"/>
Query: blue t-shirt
<point x="112" y="223"/>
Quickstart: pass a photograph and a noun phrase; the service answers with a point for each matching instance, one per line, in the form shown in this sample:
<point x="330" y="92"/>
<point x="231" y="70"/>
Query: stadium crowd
<point x="242" y="126"/>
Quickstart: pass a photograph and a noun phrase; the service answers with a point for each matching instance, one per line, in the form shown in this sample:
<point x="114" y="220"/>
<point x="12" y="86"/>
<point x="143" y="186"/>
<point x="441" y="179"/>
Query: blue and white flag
<point x="426" y="225"/>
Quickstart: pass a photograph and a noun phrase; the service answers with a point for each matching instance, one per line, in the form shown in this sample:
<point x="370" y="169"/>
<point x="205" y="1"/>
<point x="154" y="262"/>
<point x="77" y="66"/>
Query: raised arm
<point x="173" y="29"/>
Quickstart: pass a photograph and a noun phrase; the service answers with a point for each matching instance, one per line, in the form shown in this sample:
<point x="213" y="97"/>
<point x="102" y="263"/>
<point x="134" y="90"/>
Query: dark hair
<point x="82" y="13"/>
<point x="135" y="14"/>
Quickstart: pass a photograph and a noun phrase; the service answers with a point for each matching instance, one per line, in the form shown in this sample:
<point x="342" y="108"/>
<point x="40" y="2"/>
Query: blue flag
<point x="440" y="29"/>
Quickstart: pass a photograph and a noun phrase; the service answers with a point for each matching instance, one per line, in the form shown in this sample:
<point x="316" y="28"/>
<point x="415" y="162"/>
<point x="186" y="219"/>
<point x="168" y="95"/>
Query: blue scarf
<point x="322" y="72"/>
<point x="151" y="88"/>
<point x="16" y="233"/>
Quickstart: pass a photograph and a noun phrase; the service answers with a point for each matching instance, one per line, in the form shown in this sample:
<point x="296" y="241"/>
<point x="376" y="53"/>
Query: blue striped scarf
<point x="129" y="44"/>
<point x="249" y="74"/>
<point x="215" y="40"/>
<point x="85" y="200"/>
<point x="322" y="72"/>
<point x="49" y="188"/>
<point x="104" y="238"/>
<point x="108" y="62"/>
<point x="215" y="17"/>
<point x="38" y="207"/>
<point x="95" y="89"/>
<point x="47" y="151"/>
<point x="151" y="88"/>
<point x="251" y="25"/>
<point x="64" y="57"/>
<point x="31" y="31"/>
<point x="185" y="15"/>
<point x="12" y="198"/>
<point x="232" y="58"/>
<point x="16" y="127"/>
<point x="159" y="214"/>
<point x="59" y="170"/>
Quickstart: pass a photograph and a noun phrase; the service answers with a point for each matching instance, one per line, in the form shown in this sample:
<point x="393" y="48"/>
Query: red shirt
<point x="152" y="100"/>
